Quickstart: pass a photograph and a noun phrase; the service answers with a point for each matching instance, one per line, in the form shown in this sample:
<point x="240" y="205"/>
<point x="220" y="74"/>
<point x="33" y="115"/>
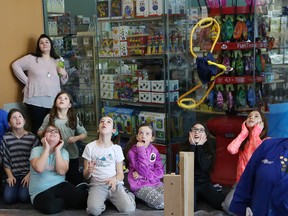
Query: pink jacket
<point x="251" y="145"/>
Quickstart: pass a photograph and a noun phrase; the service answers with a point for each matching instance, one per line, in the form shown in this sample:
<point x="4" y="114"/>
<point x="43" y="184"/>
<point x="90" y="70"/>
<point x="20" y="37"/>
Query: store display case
<point x="143" y="66"/>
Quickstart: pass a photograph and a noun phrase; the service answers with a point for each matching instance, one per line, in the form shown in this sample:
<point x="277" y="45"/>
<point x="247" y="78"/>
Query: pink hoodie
<point x="251" y="145"/>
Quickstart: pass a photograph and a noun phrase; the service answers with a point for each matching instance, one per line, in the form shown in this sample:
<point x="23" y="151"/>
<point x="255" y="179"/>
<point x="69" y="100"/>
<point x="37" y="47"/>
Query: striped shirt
<point x="15" y="152"/>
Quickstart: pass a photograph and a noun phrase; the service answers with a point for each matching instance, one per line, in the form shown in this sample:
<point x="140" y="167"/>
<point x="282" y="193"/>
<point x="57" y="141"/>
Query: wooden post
<point x="179" y="189"/>
<point x="187" y="180"/>
<point x="172" y="195"/>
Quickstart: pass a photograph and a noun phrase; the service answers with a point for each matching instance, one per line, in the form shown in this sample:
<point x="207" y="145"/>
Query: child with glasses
<point x="204" y="153"/>
<point x="15" y="152"/>
<point x="49" y="192"/>
<point x="146" y="169"/>
<point x="72" y="130"/>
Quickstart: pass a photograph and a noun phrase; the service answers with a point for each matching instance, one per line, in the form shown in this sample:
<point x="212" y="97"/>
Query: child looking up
<point x="254" y="131"/>
<point x="145" y="168"/>
<point x="72" y="130"/>
<point x="15" y="152"/>
<point x="50" y="193"/>
<point x="103" y="166"/>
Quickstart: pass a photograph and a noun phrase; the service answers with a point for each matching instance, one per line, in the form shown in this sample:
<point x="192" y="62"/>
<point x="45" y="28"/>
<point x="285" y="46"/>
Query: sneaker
<point x="83" y="186"/>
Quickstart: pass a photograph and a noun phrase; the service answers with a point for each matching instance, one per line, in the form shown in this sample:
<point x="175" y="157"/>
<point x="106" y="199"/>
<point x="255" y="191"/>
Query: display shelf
<point x="239" y="79"/>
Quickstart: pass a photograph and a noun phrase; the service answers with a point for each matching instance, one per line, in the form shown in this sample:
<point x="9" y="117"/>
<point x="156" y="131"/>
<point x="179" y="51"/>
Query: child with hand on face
<point x="145" y="168"/>
<point x="49" y="191"/>
<point x="254" y="131"/>
<point x="15" y="152"/>
<point x="103" y="166"/>
<point x="204" y="155"/>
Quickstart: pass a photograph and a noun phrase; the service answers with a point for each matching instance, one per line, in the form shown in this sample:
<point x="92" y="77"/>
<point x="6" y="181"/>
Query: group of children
<point x="45" y="172"/>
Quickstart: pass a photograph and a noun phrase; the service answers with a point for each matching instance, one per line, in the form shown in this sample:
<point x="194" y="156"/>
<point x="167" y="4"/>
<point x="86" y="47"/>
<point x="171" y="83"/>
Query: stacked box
<point x="107" y="82"/>
<point x="157" y="120"/>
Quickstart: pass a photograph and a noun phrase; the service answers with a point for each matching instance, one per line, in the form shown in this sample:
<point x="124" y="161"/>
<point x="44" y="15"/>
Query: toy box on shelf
<point x="157" y="120"/>
<point x="125" y="119"/>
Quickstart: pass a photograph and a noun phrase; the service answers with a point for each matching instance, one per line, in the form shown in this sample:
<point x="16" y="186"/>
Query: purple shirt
<point x="147" y="162"/>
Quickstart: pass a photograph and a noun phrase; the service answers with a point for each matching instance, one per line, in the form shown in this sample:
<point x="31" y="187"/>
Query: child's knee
<point x="127" y="208"/>
<point x="94" y="210"/>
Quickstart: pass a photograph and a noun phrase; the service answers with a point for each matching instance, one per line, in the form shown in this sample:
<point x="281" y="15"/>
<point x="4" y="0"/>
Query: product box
<point x="142" y="8"/>
<point x="173" y="96"/>
<point x="170" y="6"/>
<point x="123" y="48"/>
<point x="125" y="119"/>
<point x="157" y="120"/>
<point x="103" y="9"/>
<point x="155" y="7"/>
<point x="115" y="30"/>
<point x="107" y="95"/>
<point x="108" y="78"/>
<point x="159" y="85"/>
<point x="144" y="85"/>
<point x="107" y="86"/>
<point x="158" y="97"/>
<point x="128" y="8"/>
<point x="145" y="97"/>
<point x="116" y="9"/>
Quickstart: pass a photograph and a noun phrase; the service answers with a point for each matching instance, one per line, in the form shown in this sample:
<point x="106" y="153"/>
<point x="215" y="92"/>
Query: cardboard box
<point x="155" y="7"/>
<point x="125" y="119"/>
<point x="107" y="95"/>
<point x="145" y="97"/>
<point x="142" y="8"/>
<point x="144" y="85"/>
<point x="157" y="120"/>
<point x="128" y="8"/>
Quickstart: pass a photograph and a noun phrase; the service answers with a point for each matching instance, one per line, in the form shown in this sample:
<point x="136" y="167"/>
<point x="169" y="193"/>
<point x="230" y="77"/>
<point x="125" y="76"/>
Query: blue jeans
<point x="16" y="193"/>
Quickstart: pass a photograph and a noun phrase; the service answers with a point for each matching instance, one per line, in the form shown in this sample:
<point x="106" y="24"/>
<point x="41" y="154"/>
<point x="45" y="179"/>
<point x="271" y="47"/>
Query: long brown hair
<point x="71" y="114"/>
<point x="263" y="133"/>
<point x="133" y="140"/>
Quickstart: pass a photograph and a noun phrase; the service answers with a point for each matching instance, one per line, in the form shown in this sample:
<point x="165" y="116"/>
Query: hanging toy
<point x="211" y="99"/>
<point x="207" y="67"/>
<point x="219" y="97"/>
<point x="230" y="99"/>
<point x="250" y="28"/>
<point x="227" y="28"/>
<point x="241" y="96"/>
<point x="251" y="97"/>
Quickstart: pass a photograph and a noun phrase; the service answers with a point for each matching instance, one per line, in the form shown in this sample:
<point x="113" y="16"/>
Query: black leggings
<point x="73" y="175"/>
<point x="209" y="194"/>
<point x="37" y="115"/>
<point x="60" y="197"/>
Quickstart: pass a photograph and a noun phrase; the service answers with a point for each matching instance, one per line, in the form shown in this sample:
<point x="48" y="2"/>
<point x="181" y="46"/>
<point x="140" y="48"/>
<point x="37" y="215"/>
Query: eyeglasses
<point x="200" y="130"/>
<point x="52" y="131"/>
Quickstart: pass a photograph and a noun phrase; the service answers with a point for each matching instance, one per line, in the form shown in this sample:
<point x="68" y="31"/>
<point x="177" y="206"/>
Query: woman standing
<point x="42" y="79"/>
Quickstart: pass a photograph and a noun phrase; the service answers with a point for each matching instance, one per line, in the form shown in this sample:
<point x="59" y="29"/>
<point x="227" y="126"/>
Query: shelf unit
<point x="138" y="60"/>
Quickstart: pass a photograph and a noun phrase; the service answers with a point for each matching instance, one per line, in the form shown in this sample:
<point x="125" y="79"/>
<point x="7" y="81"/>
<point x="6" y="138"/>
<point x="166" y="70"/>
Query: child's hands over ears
<point x="59" y="145"/>
<point x="45" y="143"/>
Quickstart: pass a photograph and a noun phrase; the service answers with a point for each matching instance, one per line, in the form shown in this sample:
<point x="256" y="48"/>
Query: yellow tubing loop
<point x="190" y="103"/>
